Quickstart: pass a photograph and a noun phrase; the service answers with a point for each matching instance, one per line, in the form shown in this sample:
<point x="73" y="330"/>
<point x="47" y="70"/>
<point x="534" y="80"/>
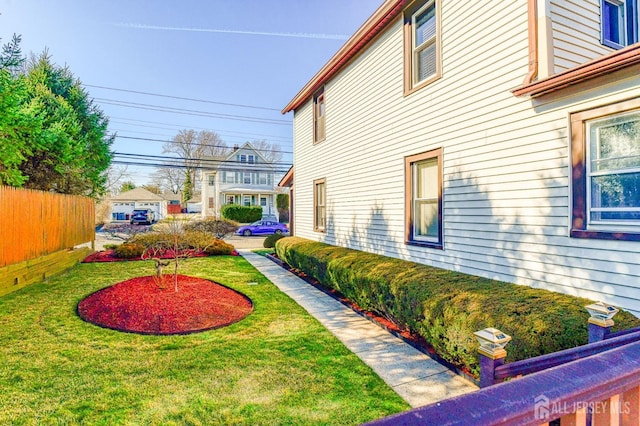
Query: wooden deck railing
<point x="600" y="389"/>
<point x="543" y="362"/>
<point x="594" y="384"/>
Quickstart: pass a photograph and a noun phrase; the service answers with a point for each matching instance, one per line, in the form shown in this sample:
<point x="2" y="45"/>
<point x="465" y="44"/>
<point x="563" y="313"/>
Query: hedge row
<point x="242" y="214"/>
<point x="446" y="307"/>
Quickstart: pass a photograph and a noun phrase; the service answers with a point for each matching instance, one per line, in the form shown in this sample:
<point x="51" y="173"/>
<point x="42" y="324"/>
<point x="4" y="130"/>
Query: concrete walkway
<point x="413" y="375"/>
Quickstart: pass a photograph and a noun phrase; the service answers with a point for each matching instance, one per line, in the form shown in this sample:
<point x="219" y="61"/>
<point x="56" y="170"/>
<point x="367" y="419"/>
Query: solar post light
<point x="492" y="353"/>
<point x="492" y="342"/>
<point x="601" y="320"/>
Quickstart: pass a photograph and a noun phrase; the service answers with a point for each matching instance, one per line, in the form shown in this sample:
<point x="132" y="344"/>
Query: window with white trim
<point x="613" y="171"/>
<point x="319" y="120"/>
<point x="422" y="44"/>
<point x="423" y="204"/>
<point x="319" y="205"/>
<point x="605" y="150"/>
<point x="619" y="22"/>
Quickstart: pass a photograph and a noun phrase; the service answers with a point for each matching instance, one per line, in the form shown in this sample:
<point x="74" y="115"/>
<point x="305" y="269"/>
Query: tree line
<point x="52" y="135"/>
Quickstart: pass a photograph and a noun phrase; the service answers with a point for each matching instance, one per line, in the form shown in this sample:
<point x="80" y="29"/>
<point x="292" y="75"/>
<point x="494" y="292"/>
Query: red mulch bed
<point x="110" y="256"/>
<point x="140" y="305"/>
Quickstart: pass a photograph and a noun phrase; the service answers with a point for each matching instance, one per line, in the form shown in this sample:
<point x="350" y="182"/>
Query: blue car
<point x="262" y="227"/>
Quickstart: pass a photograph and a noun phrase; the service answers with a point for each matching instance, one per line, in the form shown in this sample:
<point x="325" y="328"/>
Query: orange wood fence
<point x="35" y="223"/>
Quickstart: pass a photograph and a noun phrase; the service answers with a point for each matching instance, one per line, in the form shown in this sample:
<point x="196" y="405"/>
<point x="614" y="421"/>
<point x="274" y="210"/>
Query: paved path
<point x="413" y="375"/>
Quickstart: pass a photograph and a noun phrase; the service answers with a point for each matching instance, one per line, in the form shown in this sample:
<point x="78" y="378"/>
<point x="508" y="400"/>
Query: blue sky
<point x="253" y="53"/>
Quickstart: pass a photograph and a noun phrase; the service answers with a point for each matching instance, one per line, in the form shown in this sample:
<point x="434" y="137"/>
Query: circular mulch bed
<point x="140" y="305"/>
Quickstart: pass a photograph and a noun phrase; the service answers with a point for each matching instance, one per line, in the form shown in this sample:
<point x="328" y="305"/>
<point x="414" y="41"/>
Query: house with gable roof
<point x="123" y="204"/>
<point x="500" y="139"/>
<point x="244" y="177"/>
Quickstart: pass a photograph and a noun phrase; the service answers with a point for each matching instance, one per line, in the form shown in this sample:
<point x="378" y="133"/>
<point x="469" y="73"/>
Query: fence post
<point x="601" y="321"/>
<point x="492" y="353"/>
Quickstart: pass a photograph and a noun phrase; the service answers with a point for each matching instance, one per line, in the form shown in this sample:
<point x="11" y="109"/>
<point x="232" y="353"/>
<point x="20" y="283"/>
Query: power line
<point x="182" y="127"/>
<point x="207" y="145"/>
<point x="212" y="161"/>
<point x="183" y="98"/>
<point x="183" y="111"/>
<point x="178" y="166"/>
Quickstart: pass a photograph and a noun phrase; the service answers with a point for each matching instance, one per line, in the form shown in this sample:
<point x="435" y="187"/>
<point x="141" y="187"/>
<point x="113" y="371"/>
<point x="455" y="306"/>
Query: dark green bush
<point x="129" y="250"/>
<point x="270" y="241"/>
<point x="241" y="214"/>
<point x="446" y="307"/>
<point x="218" y="227"/>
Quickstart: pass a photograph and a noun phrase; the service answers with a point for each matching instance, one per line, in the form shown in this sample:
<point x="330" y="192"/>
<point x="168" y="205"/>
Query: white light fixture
<point x="602" y="314"/>
<point x="492" y="342"/>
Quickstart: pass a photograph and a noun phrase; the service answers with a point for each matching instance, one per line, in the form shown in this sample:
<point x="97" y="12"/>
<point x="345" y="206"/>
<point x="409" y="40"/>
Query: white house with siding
<point x="244" y="177"/>
<point x="496" y="138"/>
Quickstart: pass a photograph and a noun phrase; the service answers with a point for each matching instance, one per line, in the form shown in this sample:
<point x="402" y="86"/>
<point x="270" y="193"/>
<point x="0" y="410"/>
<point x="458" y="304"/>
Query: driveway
<point x="252" y="242"/>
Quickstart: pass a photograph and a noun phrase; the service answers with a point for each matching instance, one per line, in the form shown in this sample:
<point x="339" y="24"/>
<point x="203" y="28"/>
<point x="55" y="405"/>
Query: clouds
<point x="226" y="31"/>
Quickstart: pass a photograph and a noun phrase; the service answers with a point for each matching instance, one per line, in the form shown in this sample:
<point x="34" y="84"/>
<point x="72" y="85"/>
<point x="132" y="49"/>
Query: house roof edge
<point x="370" y="29"/>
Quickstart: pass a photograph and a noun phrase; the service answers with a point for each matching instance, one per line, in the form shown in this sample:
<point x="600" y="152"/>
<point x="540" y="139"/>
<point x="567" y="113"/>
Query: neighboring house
<point x="123" y="204"/>
<point x="244" y="177"/>
<point x="496" y="138"/>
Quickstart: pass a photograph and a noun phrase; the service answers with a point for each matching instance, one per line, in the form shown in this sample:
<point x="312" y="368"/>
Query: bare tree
<point x="169" y="179"/>
<point x="192" y="146"/>
<point x="115" y="176"/>
<point x="271" y="151"/>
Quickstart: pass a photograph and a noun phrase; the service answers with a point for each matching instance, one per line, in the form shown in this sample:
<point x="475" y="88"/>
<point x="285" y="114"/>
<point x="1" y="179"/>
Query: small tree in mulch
<point x="173" y="243"/>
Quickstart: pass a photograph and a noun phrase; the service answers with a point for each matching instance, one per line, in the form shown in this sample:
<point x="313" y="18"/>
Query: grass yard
<point x="277" y="366"/>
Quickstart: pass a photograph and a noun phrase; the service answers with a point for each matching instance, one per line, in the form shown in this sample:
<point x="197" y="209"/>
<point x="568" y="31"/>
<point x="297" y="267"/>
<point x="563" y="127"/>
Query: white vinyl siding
<point x="576" y="32"/>
<point x="506" y="164"/>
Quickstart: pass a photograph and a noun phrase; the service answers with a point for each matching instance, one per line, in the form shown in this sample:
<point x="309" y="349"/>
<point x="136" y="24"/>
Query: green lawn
<point x="277" y="366"/>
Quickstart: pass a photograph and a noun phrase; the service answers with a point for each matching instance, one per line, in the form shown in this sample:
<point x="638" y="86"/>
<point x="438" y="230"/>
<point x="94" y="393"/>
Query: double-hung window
<point x="423" y="199"/>
<point x="619" y="22"/>
<point x="319" y="205"/>
<point x="422" y="44"/>
<point x="606" y="172"/>
<point x="319" y="121"/>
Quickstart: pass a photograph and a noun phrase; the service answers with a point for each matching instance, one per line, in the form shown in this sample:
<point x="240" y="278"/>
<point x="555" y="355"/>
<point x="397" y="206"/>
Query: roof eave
<point x="614" y="61"/>
<point x="369" y="30"/>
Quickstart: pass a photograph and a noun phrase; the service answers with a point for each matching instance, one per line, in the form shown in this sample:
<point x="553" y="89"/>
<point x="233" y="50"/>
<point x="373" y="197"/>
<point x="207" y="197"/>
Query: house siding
<point x="506" y="191"/>
<point x="576" y="33"/>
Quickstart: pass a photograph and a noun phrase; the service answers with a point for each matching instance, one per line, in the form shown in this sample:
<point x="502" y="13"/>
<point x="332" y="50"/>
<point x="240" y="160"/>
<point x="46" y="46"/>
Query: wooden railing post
<point x="492" y="353"/>
<point x="601" y="321"/>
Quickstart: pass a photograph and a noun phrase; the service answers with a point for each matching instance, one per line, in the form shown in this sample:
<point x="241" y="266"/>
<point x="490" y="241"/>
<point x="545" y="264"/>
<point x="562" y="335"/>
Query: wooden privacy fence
<point x="36" y="223"/>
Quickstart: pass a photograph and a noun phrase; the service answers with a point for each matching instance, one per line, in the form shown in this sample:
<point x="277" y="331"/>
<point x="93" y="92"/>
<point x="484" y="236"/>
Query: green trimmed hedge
<point x="446" y="307"/>
<point x="242" y="214"/>
<point x="271" y="240"/>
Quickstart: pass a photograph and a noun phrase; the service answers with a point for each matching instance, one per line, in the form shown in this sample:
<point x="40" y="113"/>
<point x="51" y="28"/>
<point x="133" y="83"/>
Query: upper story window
<point x="619" y="21"/>
<point x="212" y="180"/>
<point x="251" y="159"/>
<point x="422" y="44"/>
<point x="606" y="172"/>
<point x="319" y="132"/>
<point x="423" y="203"/>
